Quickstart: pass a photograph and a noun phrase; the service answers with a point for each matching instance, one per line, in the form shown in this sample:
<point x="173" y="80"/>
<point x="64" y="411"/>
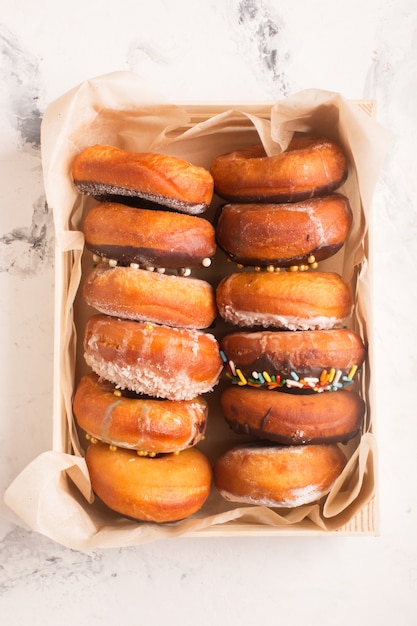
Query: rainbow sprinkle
<point x="329" y="380"/>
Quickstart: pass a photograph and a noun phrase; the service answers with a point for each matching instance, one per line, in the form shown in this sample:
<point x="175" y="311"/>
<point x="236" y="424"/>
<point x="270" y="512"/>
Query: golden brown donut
<point x="165" y="488"/>
<point x="149" y="425"/>
<point x="310" y="166"/>
<point x="313" y="360"/>
<point x="149" y="238"/>
<point x="292" y="300"/>
<point x="278" y="476"/>
<point x="109" y="173"/>
<point x="141" y="295"/>
<point x="152" y="359"/>
<point x="284" y="235"/>
<point x="291" y="418"/>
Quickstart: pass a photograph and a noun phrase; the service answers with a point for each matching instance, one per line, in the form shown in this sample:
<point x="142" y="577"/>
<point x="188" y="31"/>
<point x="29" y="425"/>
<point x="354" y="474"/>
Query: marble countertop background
<point x="215" y="51"/>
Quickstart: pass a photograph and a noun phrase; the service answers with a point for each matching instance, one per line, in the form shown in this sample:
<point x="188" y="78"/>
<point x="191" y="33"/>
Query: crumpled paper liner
<point x="52" y="495"/>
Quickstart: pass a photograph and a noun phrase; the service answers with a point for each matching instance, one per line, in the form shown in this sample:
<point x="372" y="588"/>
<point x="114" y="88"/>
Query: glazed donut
<point x="278" y="476"/>
<point x="284" y="235"/>
<point x="312" y="360"/>
<point x="310" y="166"/>
<point x="148" y="425"/>
<point x="141" y="295"/>
<point x="291" y="300"/>
<point x="149" y="238"/>
<point x="109" y="173"/>
<point x="152" y="359"/>
<point x="165" y="488"/>
<point x="290" y="418"/>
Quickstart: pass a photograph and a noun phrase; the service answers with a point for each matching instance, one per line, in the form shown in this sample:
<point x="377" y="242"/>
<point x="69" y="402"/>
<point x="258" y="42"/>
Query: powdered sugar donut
<point x="152" y="359"/>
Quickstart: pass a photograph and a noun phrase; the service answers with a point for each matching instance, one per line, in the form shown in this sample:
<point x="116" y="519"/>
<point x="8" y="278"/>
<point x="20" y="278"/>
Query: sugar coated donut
<point x="142" y="295"/>
<point x="149" y="238"/>
<point x="292" y="300"/>
<point x="312" y="360"/>
<point x="109" y="173"/>
<point x="290" y="418"/>
<point x="148" y="425"/>
<point x="309" y="167"/>
<point x="152" y="359"/>
<point x="278" y="476"/>
<point x="165" y="488"/>
<point x="284" y="235"/>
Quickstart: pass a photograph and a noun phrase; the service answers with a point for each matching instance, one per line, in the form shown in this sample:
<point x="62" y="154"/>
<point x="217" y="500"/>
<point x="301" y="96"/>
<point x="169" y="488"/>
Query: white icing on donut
<point x="266" y="320"/>
<point x="305" y="495"/>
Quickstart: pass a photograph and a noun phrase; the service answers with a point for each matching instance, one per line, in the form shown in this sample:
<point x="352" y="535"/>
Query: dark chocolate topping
<point x="321" y="253"/>
<point x="137" y="199"/>
<point x="295" y="196"/>
<point x="295" y="439"/>
<point x="125" y="255"/>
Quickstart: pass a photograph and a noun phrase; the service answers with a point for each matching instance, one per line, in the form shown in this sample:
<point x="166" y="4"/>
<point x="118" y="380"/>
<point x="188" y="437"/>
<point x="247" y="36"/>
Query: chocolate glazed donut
<point x="284" y="235"/>
<point x="142" y="179"/>
<point x="311" y="360"/>
<point x="311" y="166"/>
<point x="289" y="418"/>
<point x="149" y="238"/>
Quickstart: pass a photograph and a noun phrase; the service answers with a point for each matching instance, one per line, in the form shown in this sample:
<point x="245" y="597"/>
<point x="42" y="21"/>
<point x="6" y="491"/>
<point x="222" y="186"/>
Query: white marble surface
<point x="221" y="50"/>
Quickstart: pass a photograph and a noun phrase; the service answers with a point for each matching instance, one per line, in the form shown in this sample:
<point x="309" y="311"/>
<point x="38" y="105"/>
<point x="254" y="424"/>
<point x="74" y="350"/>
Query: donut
<point x="278" y="476"/>
<point x="165" y="488"/>
<point x="290" y="418"/>
<point x="310" y="166"/>
<point x="149" y="238"/>
<point x="158" y="180"/>
<point x="148" y="425"/>
<point x="142" y="295"/>
<point x="312" y="360"/>
<point x="291" y="300"/>
<point x="152" y="359"/>
<point x="284" y="235"/>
